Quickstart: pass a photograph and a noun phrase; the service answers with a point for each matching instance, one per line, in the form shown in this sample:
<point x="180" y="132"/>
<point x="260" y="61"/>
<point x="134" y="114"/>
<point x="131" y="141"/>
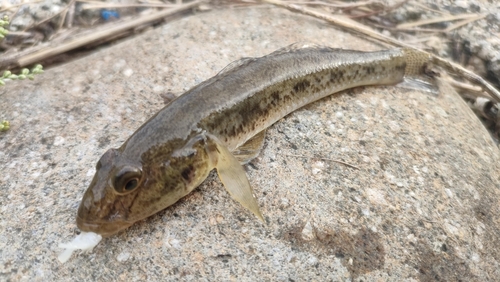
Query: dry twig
<point x="71" y="5"/>
<point x="464" y="22"/>
<point x="40" y="53"/>
<point x="446" y="18"/>
<point x="100" y="5"/>
<point x="64" y="10"/>
<point x="324" y="159"/>
<point x="334" y="5"/>
<point x="18" y="5"/>
<point x="387" y="9"/>
<point x="415" y="3"/>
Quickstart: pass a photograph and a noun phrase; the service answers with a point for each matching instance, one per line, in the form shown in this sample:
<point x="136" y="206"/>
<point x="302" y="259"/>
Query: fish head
<point x="124" y="191"/>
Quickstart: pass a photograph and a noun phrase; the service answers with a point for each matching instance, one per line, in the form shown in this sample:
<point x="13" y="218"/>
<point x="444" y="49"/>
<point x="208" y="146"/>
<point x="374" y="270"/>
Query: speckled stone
<point x="423" y="205"/>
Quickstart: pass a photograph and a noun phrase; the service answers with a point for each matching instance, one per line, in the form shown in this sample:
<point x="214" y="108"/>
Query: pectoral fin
<point x="232" y="175"/>
<point x="250" y="149"/>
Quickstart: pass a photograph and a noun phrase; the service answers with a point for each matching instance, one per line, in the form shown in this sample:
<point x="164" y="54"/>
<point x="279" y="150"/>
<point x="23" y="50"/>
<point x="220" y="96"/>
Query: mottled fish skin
<point x="174" y="151"/>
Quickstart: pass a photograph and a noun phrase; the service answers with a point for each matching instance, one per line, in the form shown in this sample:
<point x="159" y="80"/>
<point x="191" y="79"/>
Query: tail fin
<point x="416" y="61"/>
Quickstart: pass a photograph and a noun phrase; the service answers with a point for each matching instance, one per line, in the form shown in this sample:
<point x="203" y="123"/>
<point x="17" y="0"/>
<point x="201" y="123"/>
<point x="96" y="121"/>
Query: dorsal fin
<point x="296" y="46"/>
<point x="237" y="63"/>
<point x="286" y="49"/>
<point x="231" y="66"/>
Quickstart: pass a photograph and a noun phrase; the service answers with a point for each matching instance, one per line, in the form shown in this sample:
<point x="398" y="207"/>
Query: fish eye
<point x="131" y="184"/>
<point x="127" y="179"/>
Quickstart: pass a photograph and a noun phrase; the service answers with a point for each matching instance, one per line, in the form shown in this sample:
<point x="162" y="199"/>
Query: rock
<point x="424" y="204"/>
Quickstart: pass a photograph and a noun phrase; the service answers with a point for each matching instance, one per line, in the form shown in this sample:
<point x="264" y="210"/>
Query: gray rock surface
<point x="424" y="204"/>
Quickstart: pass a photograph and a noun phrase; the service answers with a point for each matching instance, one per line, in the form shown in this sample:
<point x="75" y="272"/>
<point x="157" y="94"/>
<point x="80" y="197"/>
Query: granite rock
<point x="423" y="204"/>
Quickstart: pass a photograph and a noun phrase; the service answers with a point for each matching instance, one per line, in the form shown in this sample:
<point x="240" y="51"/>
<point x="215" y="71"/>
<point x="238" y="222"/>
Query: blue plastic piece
<point x="109" y="14"/>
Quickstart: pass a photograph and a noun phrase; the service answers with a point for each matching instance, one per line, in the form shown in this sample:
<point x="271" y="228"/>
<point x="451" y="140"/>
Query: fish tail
<point x="416" y="61"/>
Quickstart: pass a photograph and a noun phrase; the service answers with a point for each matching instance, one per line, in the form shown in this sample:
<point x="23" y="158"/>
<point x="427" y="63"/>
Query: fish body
<point x="219" y="124"/>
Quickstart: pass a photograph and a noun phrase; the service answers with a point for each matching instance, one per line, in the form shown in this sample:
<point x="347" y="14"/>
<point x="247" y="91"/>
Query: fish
<point x="220" y="124"/>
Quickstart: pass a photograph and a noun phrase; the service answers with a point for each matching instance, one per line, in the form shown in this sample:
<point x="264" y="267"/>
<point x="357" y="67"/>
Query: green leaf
<point x="4" y="126"/>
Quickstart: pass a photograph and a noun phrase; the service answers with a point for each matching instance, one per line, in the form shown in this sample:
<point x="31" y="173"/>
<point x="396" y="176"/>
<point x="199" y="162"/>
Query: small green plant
<point x="25" y="73"/>
<point x="3" y="22"/>
<point x="8" y="75"/>
<point x="4" y="126"/>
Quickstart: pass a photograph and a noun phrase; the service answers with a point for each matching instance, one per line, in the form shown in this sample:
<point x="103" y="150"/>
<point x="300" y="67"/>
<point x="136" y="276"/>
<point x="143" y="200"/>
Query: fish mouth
<point x="105" y="229"/>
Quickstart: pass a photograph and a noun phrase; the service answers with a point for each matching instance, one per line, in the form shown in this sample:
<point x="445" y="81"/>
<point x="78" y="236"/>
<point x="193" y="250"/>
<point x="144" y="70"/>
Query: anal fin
<point x="251" y="149"/>
<point x="232" y="175"/>
<point x="419" y="84"/>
